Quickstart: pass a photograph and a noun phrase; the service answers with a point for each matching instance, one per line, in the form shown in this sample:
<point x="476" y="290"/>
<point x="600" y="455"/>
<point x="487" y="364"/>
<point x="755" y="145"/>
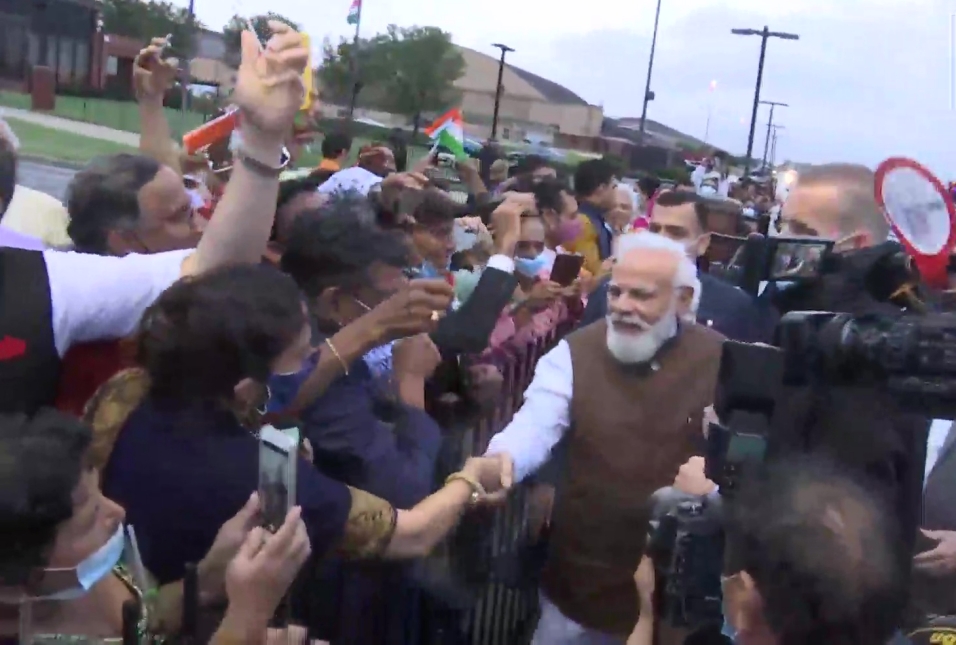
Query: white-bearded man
<point x="628" y="394"/>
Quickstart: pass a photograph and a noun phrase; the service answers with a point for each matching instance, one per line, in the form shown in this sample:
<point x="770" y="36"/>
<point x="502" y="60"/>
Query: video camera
<point x="770" y="401"/>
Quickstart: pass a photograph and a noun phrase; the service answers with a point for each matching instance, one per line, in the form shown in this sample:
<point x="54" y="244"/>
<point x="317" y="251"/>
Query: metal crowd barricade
<point x="463" y="594"/>
<point x="486" y="549"/>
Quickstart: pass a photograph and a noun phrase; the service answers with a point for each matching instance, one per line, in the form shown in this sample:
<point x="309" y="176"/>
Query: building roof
<point x="551" y="91"/>
<point x="548" y="91"/>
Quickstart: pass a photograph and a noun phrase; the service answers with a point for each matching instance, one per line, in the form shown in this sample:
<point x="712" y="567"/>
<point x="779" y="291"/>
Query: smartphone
<point x="566" y="268"/>
<point x="278" y="457"/>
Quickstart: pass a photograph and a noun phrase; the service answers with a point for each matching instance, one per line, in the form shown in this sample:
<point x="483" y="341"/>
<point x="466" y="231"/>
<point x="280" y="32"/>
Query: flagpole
<point x="355" y="53"/>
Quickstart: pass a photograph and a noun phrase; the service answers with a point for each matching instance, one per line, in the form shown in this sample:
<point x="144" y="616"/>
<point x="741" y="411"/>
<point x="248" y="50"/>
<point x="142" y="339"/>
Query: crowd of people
<point x="201" y="299"/>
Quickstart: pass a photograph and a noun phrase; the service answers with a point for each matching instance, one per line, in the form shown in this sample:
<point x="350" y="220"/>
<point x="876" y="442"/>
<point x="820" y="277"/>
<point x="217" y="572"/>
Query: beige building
<point x="531" y="106"/>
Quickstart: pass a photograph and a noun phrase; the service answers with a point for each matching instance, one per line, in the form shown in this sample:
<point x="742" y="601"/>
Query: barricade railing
<point x="473" y="592"/>
<point x="487" y="549"/>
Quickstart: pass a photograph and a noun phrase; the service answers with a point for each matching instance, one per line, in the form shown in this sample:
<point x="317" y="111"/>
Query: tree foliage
<point x="151" y="19"/>
<point x="407" y="71"/>
<point x="260" y="23"/>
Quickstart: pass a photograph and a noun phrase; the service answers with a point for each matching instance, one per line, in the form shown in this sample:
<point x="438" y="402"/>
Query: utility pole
<point x="764" y="34"/>
<point x="500" y="88"/>
<point x="648" y="94"/>
<point x="766" y="143"/>
<point x="356" y="19"/>
<point x="773" y="145"/>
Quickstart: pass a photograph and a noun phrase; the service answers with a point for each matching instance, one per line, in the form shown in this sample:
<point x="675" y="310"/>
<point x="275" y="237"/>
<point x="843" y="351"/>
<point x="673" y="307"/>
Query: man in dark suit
<point x="682" y="216"/>
<point x="933" y="591"/>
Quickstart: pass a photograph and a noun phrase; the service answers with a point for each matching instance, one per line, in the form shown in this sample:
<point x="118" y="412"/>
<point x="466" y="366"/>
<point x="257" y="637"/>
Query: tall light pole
<point x="764" y="34"/>
<point x="773" y="145"/>
<point x="500" y="88"/>
<point x="766" y="143"/>
<point x="648" y="95"/>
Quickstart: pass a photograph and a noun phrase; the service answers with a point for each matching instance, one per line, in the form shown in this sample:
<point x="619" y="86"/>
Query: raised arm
<point x="152" y="77"/>
<point x="268" y="93"/>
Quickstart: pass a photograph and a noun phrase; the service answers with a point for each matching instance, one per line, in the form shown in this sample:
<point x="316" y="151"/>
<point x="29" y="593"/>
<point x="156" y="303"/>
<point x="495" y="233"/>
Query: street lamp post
<point x="766" y="143"/>
<point x="773" y="144"/>
<point x="648" y="95"/>
<point x="498" y="90"/>
<point x="764" y="34"/>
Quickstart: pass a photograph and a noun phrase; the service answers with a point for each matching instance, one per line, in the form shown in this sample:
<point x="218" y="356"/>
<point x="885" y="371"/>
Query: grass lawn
<point x="57" y="145"/>
<point x="121" y="115"/>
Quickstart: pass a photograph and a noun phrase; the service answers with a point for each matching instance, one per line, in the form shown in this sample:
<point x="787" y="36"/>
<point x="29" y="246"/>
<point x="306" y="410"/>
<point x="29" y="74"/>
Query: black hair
<point x="431" y="206"/>
<point x="43" y="457"/>
<point x="292" y="188"/>
<point x="529" y="164"/>
<point x="207" y="333"/>
<point x="591" y="175"/>
<point x="330" y="247"/>
<point x="397" y="142"/>
<point x="548" y="194"/>
<point x="8" y="174"/>
<point x="671" y="198"/>
<point x="104" y="196"/>
<point x="336" y="143"/>
<point x="823" y="552"/>
<point x="648" y="186"/>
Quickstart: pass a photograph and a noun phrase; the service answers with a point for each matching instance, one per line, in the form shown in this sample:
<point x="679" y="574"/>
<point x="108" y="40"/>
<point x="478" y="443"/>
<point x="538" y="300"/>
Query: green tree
<point x="349" y="67"/>
<point x="260" y="24"/>
<point x="146" y="20"/>
<point x="421" y="66"/>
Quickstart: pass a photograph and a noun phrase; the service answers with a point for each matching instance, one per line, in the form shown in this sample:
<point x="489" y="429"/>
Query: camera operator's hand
<point x="941" y="560"/>
<point x="644" y="580"/>
<point x="692" y="480"/>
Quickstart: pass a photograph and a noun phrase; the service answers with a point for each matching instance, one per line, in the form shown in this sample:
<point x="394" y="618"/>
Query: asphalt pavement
<point x="51" y="180"/>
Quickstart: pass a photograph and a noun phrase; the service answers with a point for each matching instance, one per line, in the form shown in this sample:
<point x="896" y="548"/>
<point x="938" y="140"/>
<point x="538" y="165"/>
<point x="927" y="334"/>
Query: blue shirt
<point x="365" y="438"/>
<point x="181" y="474"/>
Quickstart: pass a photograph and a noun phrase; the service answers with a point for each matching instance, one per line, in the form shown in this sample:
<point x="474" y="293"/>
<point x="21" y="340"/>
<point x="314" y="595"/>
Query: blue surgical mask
<point x="531" y="267"/>
<point x="749" y="212"/>
<point x="429" y="270"/>
<point x="95" y="567"/>
<point x="379" y="360"/>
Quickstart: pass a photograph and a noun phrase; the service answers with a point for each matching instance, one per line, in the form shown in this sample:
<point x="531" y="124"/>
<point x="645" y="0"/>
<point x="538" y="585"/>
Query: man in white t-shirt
<point x="50" y="300"/>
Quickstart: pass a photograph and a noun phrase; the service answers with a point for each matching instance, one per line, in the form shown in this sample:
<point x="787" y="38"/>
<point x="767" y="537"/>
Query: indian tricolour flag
<point x="447" y="131"/>
<point x="355" y="12"/>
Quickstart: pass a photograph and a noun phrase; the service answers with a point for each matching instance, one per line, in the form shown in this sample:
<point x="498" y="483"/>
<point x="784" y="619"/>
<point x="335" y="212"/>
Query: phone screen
<point x="566" y="268"/>
<point x="278" y="456"/>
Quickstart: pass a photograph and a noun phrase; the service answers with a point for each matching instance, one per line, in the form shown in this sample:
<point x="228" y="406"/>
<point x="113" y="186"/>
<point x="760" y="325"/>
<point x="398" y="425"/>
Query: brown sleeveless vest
<point x="631" y="429"/>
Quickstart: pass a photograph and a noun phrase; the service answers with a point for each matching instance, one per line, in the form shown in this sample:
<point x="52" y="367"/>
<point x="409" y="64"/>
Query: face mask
<point x="95" y="567"/>
<point x="379" y="360"/>
<point x="707" y="190"/>
<point x="429" y="270"/>
<point x="531" y="267"/>
<point x="569" y="230"/>
<point x="465" y="283"/>
<point x="749" y="212"/>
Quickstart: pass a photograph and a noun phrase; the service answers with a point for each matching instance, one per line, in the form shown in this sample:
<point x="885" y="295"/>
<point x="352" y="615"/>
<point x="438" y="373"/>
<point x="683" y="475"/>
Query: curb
<point x="50" y="161"/>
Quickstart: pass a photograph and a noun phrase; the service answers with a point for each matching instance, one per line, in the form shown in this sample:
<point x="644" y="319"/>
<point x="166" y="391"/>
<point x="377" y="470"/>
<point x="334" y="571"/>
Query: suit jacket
<point x="723" y="307"/>
<point x="936" y="595"/>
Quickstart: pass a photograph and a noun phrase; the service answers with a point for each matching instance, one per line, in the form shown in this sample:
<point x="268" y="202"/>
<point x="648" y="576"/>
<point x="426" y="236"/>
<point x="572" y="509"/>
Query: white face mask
<point x="94" y="568"/>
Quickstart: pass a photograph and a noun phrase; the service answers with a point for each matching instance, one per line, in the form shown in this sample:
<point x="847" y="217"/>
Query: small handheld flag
<point x="448" y="131"/>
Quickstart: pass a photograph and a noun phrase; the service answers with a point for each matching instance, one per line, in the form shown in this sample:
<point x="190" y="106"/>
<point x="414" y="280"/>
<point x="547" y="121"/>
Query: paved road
<point x="51" y="180"/>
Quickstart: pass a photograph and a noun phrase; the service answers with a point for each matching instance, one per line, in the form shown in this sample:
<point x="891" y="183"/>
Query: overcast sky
<point x="868" y="79"/>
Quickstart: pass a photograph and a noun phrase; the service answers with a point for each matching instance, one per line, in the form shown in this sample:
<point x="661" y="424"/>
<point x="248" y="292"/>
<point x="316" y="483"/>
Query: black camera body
<point x="686" y="544"/>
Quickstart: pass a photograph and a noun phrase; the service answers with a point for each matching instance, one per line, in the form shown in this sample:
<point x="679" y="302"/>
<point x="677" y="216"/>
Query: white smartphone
<point x="278" y="457"/>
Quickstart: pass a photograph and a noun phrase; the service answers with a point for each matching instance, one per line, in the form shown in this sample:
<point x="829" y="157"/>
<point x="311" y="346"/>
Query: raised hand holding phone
<point x="152" y="74"/>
